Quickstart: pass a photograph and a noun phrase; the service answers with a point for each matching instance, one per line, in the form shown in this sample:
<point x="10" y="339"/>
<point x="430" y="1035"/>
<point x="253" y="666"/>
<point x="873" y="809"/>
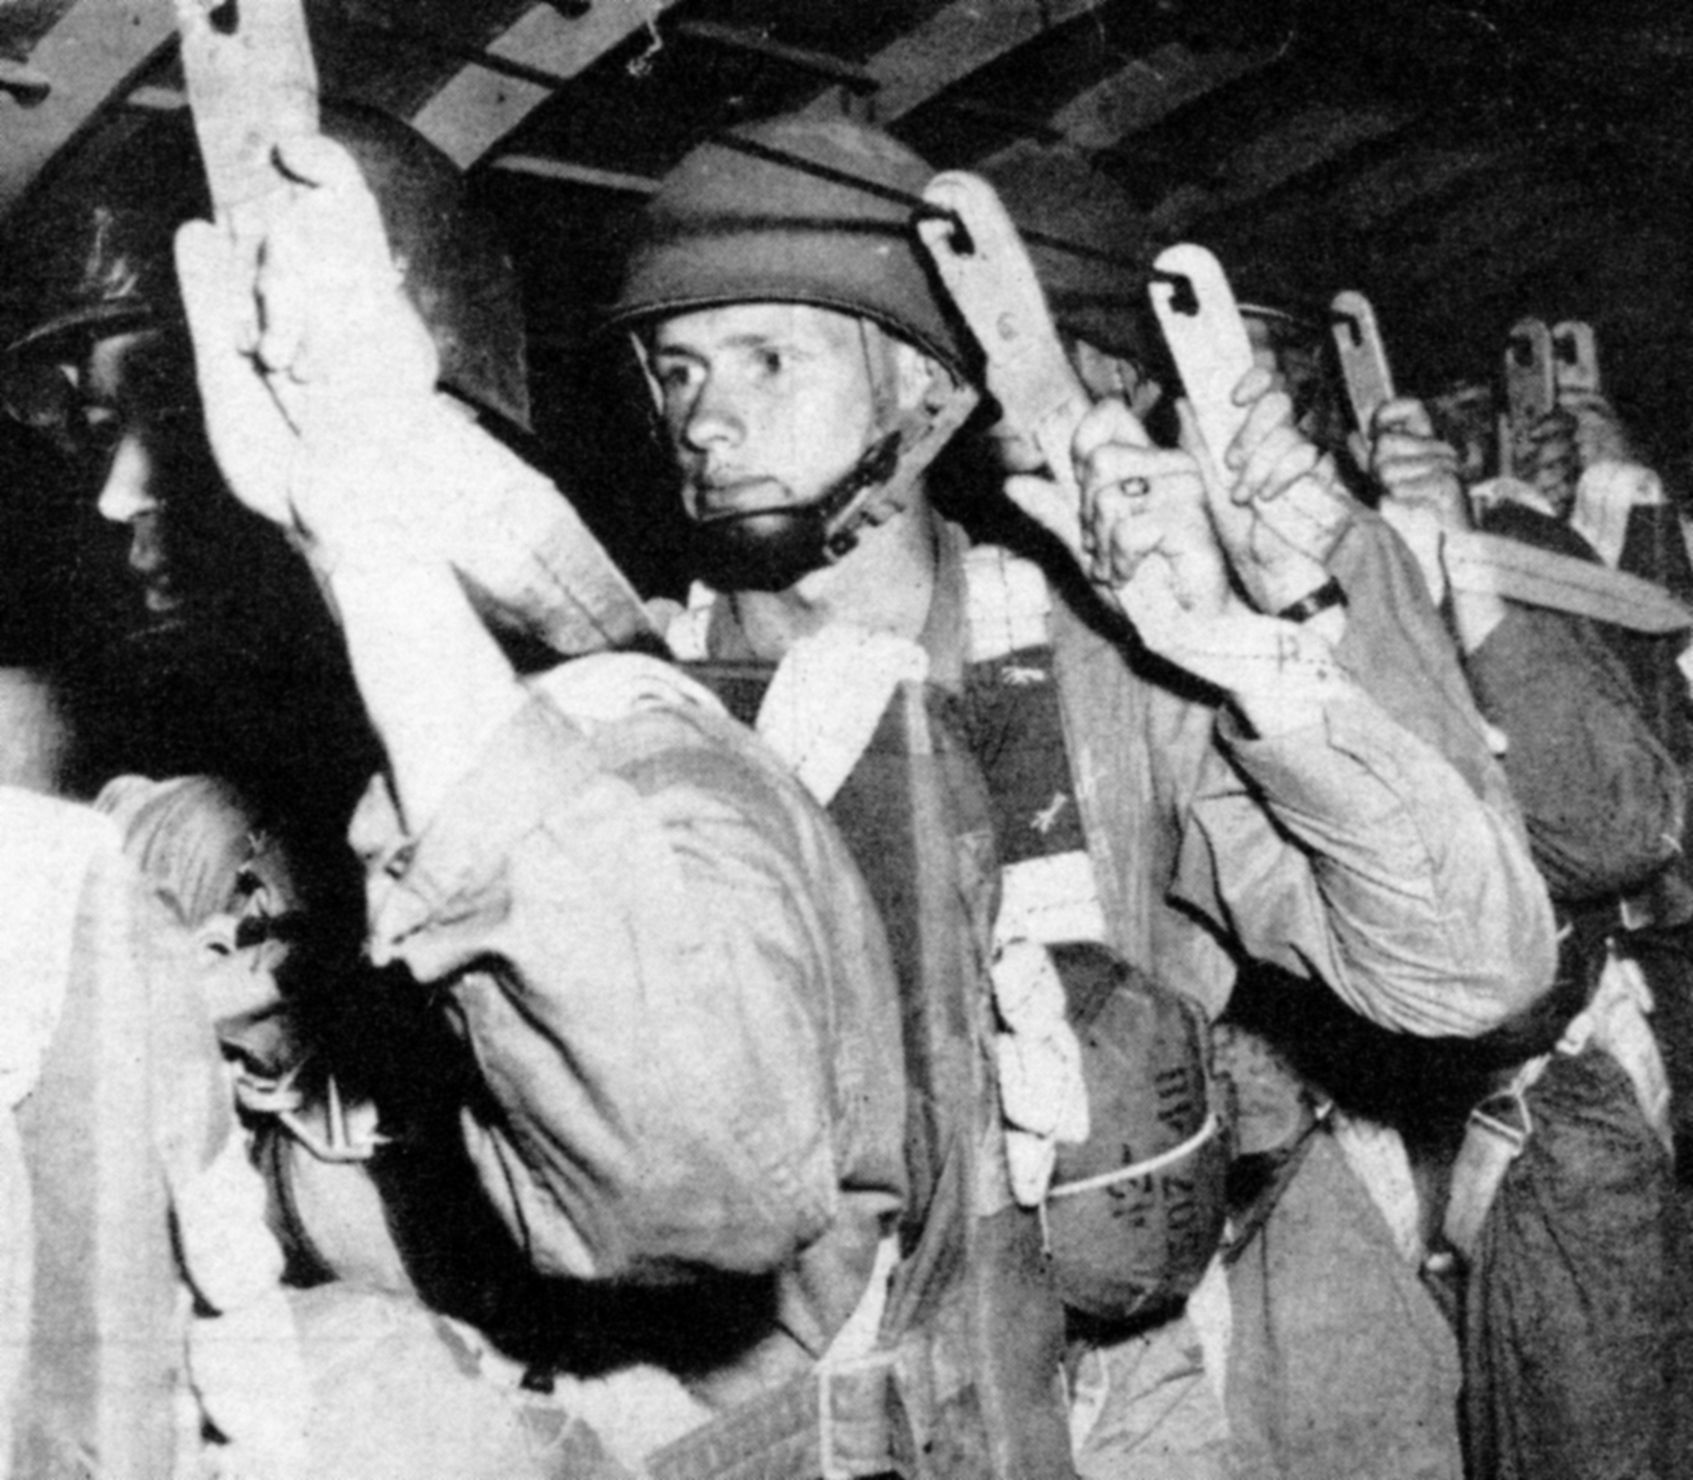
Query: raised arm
<point x="1602" y="800"/>
<point x="675" y="989"/>
<point x="317" y="378"/>
<point x="670" y="977"/>
<point x="1381" y="867"/>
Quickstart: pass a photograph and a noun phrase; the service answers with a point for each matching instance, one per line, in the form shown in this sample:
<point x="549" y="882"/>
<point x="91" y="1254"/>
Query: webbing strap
<point x="46" y="848"/>
<point x="1607" y="492"/>
<point x="1509" y="568"/>
<point x="831" y="1424"/>
<point x="1501" y="1125"/>
<point x="1252" y="1222"/>
<point x="1007" y="603"/>
<point x="1497" y="1131"/>
<point x="827" y="698"/>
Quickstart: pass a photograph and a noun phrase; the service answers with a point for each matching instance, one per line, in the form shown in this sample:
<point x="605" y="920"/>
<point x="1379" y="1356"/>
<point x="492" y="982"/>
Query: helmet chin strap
<point x="880" y="484"/>
<point x="772" y="547"/>
<point x="769" y="548"/>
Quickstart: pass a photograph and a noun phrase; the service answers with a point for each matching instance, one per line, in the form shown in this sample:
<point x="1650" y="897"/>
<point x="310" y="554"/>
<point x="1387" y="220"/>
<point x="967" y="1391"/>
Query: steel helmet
<point x="1096" y="293"/>
<point x="771" y="213"/>
<point x="97" y="259"/>
<point x="820" y="212"/>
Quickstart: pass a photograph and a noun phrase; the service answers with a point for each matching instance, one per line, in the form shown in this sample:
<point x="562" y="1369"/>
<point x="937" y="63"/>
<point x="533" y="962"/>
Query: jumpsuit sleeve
<point x="624" y="923"/>
<point x="1379" y="850"/>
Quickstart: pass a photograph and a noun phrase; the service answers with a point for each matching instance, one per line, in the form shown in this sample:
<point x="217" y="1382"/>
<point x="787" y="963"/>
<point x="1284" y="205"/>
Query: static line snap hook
<point x="1183" y="299"/>
<point x="958" y="234"/>
<point x="1353" y="324"/>
<point x="24" y="83"/>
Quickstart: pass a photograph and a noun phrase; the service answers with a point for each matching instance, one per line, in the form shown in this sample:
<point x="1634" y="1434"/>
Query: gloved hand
<point x="315" y="371"/>
<point x="1413" y="467"/>
<point x="1545" y="457"/>
<point x="1153" y="518"/>
<point x="1600" y="435"/>
<point x="1276" y="501"/>
<point x="1145" y="521"/>
<point x="1417" y="473"/>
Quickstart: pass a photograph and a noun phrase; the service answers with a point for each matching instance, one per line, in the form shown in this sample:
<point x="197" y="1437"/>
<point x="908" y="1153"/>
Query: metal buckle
<point x="832" y="1465"/>
<point x="1506" y="1115"/>
<point x="1635" y="911"/>
<point x="342" y="1138"/>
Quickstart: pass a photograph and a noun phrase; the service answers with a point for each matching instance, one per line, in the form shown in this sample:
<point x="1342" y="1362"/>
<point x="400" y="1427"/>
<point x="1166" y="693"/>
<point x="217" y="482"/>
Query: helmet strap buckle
<point x="881" y="484"/>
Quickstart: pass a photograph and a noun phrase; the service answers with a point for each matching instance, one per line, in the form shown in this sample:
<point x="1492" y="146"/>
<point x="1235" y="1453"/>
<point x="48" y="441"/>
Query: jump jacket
<point x="1378" y="852"/>
<point x="681" y="1005"/>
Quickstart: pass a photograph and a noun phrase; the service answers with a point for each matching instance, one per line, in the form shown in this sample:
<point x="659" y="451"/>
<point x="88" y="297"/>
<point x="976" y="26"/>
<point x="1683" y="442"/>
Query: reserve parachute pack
<point x="1133" y="1212"/>
<point x="1133" y="1215"/>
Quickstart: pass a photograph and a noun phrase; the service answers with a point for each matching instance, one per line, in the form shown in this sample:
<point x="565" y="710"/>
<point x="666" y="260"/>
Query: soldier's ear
<point x="917" y="376"/>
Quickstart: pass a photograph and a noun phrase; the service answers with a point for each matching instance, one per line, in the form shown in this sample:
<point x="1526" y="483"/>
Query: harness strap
<point x="1052" y="899"/>
<point x="1252" y="1222"/>
<point x="1509" y="568"/>
<point x="1614" y="1022"/>
<point x="1497" y="1131"/>
<point x="833" y="1423"/>
<point x="1007" y="603"/>
<point x="1605" y="494"/>
<point x="827" y="697"/>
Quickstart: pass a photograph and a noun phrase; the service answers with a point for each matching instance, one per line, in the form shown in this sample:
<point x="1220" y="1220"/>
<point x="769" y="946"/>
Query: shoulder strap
<point x="1509" y="568"/>
<point x="1049" y="893"/>
<point x="1006" y="603"/>
<point x="828" y="696"/>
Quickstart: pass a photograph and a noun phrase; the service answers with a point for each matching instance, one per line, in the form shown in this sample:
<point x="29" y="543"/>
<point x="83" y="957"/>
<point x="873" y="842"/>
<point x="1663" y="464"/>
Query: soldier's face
<point x="765" y="404"/>
<point x="124" y="413"/>
<point x="138" y="431"/>
<point x="1299" y="369"/>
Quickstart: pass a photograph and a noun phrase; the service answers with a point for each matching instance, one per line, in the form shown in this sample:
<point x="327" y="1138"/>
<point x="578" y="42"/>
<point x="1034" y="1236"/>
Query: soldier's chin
<point x="164" y="613"/>
<point x="759" y="550"/>
<point x="160" y="600"/>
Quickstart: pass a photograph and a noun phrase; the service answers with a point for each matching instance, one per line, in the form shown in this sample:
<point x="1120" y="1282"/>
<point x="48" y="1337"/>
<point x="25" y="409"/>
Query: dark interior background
<point x="1463" y="164"/>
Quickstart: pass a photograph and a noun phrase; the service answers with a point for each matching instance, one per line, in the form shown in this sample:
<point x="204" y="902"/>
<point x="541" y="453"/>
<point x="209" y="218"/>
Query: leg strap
<point x="834" y="1423"/>
<point x="1497" y="1131"/>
